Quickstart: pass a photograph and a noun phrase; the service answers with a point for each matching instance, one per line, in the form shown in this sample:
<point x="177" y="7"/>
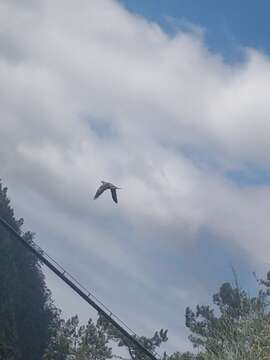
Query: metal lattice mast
<point x="79" y="289"/>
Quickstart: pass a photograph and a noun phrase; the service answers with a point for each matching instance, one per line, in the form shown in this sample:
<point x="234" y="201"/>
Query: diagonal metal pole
<point x="71" y="284"/>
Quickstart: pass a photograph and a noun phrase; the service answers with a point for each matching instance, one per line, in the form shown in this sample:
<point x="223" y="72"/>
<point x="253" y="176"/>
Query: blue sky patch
<point x="101" y="127"/>
<point x="228" y="25"/>
<point x="250" y="175"/>
<point x="246" y="175"/>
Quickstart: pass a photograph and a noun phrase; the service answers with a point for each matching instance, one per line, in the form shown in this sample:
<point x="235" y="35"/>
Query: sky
<point x="170" y="101"/>
<point x="227" y="25"/>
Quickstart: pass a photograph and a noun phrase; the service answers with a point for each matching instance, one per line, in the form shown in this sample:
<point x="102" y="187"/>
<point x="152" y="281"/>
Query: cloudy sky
<point x="168" y="100"/>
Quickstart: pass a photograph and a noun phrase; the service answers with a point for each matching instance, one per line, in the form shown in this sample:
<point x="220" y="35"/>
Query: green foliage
<point x="239" y="331"/>
<point x="185" y="356"/>
<point x="88" y="342"/>
<point x="93" y="343"/>
<point x="149" y="343"/>
<point x="26" y="309"/>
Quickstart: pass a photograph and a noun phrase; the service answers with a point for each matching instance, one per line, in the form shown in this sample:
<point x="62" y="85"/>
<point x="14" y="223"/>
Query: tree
<point x="149" y="343"/>
<point x="185" y="356"/>
<point x="93" y="343"/>
<point x="82" y="342"/>
<point x="62" y="339"/>
<point x="26" y="308"/>
<point x="239" y="328"/>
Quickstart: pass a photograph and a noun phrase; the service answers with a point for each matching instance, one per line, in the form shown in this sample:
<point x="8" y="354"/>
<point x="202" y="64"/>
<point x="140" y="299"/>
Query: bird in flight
<point x="107" y="186"/>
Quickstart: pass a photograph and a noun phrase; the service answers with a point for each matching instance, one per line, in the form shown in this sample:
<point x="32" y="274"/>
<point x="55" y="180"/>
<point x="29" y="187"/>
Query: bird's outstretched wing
<point x="114" y="196"/>
<point x="100" y="190"/>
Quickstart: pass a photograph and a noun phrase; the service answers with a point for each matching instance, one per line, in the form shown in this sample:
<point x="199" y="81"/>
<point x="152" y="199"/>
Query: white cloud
<point x="158" y="93"/>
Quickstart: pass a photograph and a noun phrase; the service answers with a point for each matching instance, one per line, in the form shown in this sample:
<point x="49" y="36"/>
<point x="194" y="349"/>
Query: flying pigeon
<point x="107" y="186"/>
